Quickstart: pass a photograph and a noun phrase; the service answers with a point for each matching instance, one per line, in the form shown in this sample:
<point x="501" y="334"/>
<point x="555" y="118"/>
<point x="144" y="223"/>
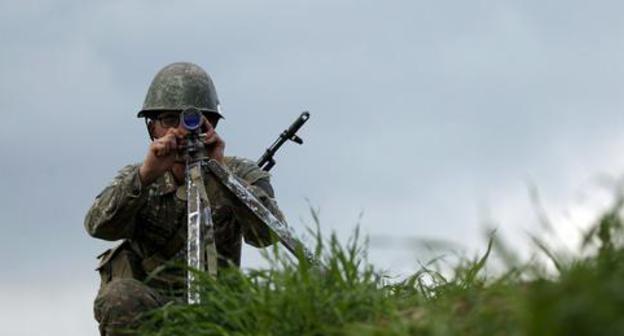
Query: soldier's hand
<point x="161" y="156"/>
<point x="215" y="146"/>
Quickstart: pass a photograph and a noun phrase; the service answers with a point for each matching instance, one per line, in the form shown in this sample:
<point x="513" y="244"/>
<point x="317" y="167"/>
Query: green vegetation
<point x="584" y="296"/>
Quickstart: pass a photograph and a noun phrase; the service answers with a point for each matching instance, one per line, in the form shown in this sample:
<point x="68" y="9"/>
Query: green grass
<point x="347" y="296"/>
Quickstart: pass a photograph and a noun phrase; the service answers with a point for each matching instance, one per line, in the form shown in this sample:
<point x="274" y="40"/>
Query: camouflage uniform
<point x="151" y="220"/>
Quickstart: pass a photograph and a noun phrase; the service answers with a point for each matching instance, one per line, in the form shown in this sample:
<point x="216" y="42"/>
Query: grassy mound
<point x="346" y="296"/>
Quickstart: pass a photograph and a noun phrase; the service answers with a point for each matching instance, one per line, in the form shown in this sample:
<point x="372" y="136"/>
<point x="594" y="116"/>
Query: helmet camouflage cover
<point x="179" y="86"/>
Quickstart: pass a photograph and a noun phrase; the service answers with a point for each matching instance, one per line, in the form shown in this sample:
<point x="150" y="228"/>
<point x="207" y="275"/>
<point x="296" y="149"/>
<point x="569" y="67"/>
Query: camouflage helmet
<point x="179" y="86"/>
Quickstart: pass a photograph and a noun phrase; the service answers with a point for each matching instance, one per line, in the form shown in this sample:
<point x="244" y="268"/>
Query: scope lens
<point x="191" y="119"/>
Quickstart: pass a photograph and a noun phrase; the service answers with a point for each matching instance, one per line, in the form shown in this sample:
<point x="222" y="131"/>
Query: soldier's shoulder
<point x="245" y="169"/>
<point x="129" y="168"/>
<point x="124" y="172"/>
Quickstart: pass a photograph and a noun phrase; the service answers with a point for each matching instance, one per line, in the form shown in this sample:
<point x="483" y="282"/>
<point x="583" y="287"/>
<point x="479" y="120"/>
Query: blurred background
<point x="430" y="122"/>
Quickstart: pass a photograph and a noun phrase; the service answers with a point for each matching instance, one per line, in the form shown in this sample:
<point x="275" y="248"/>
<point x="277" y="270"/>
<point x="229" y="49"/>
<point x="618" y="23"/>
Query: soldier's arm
<point x="112" y="215"/>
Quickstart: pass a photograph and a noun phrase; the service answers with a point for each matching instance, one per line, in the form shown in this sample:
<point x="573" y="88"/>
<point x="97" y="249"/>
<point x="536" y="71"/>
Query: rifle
<point x="201" y="248"/>
<point x="266" y="161"/>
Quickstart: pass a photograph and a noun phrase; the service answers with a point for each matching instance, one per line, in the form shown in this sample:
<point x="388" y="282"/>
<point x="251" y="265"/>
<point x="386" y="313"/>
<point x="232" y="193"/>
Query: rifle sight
<point x="191" y="119"/>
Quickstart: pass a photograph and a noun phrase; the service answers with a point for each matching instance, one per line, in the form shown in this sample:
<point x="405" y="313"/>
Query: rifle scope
<point x="191" y="119"/>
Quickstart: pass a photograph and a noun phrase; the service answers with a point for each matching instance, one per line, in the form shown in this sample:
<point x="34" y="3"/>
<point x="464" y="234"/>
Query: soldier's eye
<point x="169" y="121"/>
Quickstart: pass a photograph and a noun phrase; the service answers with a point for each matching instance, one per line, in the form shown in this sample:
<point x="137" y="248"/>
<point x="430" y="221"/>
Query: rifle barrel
<point x="289" y="134"/>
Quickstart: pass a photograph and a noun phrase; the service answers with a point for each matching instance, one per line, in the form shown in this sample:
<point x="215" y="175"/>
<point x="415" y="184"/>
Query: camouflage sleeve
<point x="255" y="232"/>
<point x="112" y="215"/>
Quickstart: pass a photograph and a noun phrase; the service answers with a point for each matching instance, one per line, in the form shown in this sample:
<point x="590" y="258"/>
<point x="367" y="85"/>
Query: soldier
<point x="145" y="205"/>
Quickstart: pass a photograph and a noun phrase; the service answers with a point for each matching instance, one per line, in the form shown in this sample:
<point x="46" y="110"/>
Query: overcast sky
<point x="427" y="117"/>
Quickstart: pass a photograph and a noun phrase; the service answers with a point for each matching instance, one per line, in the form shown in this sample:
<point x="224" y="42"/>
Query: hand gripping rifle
<point x="201" y="248"/>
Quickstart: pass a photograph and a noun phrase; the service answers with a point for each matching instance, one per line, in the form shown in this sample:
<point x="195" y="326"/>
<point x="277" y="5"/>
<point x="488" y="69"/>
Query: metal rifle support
<point x="283" y="232"/>
<point x="201" y="247"/>
<point x="201" y="250"/>
<point x="266" y="162"/>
